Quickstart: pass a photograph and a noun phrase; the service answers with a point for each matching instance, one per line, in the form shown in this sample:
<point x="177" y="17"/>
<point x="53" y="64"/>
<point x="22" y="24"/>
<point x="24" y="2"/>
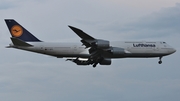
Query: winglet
<point x="81" y="34"/>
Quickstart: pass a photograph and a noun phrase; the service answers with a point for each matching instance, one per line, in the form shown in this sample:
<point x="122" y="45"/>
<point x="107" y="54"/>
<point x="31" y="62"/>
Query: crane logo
<point x="16" y="31"/>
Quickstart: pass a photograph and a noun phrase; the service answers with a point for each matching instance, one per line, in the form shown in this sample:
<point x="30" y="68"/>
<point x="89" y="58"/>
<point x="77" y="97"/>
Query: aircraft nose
<point x="173" y="50"/>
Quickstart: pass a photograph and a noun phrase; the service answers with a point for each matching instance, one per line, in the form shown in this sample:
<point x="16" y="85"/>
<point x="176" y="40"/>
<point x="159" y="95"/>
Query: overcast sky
<point x="26" y="76"/>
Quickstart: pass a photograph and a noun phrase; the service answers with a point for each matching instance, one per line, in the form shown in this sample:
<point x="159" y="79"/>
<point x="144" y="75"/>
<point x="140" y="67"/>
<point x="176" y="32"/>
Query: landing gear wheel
<point x="160" y="62"/>
<point x="94" y="65"/>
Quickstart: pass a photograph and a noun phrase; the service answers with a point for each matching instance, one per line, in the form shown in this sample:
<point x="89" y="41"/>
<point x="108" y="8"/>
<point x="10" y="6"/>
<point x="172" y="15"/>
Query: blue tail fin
<point x="18" y="31"/>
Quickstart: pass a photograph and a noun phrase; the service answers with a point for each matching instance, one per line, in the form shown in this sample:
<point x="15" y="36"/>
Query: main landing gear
<point x="160" y="61"/>
<point x="95" y="64"/>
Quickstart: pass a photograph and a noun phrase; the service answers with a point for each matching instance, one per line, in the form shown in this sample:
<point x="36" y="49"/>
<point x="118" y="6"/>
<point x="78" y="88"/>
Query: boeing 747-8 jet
<point x="92" y="52"/>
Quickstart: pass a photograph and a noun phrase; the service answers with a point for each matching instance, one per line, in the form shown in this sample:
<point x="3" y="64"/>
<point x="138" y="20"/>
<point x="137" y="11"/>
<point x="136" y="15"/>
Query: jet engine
<point x="116" y="51"/>
<point x="79" y="62"/>
<point x="105" y="62"/>
<point x="101" y="44"/>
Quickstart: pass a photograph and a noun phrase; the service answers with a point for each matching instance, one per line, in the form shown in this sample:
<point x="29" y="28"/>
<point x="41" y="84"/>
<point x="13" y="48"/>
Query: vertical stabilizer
<point x="19" y="32"/>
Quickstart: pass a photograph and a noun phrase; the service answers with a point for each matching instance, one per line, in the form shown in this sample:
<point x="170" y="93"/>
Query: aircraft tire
<point x="160" y="62"/>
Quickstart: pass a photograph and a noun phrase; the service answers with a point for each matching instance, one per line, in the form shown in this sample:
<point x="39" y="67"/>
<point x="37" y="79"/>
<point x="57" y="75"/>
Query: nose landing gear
<point x="160" y="61"/>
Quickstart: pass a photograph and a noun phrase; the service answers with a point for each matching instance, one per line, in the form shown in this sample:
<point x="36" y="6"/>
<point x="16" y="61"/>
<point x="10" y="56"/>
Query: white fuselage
<point x="130" y="48"/>
<point x="94" y="51"/>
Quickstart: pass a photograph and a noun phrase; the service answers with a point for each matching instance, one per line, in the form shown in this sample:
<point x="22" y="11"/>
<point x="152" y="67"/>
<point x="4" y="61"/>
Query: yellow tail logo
<point x="16" y="31"/>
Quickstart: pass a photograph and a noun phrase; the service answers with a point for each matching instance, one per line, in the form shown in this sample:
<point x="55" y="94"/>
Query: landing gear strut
<point x="160" y="61"/>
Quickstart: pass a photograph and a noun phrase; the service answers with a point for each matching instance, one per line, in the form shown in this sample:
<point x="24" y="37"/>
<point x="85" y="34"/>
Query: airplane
<point x="91" y="51"/>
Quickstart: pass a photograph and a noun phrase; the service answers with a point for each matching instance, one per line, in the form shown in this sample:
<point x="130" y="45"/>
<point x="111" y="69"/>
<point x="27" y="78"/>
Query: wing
<point x="97" y="51"/>
<point x="87" y="40"/>
<point x="81" y="34"/>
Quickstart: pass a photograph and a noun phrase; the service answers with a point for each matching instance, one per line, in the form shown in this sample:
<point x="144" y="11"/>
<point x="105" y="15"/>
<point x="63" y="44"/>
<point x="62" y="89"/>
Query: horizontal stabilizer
<point x="18" y="42"/>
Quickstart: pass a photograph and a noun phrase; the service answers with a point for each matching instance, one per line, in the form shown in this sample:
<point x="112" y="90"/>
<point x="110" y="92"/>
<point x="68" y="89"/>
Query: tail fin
<point x="19" y="32"/>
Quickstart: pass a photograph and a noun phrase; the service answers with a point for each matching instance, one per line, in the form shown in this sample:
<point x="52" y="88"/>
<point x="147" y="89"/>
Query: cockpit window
<point x="164" y="42"/>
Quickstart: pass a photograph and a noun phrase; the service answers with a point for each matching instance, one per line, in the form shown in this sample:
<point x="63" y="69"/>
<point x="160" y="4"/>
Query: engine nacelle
<point x="80" y="62"/>
<point x="116" y="51"/>
<point x="102" y="44"/>
<point x="105" y="62"/>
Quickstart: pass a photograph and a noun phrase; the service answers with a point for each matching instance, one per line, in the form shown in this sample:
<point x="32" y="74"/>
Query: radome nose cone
<point x="174" y="50"/>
